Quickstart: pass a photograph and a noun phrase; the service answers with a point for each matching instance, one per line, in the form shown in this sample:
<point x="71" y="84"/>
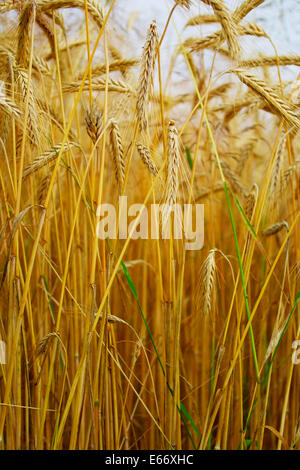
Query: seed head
<point x="93" y="124"/>
<point x="184" y="3"/>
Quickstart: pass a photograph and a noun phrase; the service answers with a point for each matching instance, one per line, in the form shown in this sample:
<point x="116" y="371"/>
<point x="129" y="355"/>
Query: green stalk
<point x="243" y="281"/>
<point x="184" y="414"/>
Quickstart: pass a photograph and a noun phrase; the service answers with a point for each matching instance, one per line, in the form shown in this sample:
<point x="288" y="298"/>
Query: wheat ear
<point x="94" y="124"/>
<point x="22" y="80"/>
<point x="146" y="75"/>
<point x="269" y="61"/>
<point x="146" y="158"/>
<point x="229" y="27"/>
<point x="281" y="106"/>
<point x="44" y="23"/>
<point x="8" y="5"/>
<point x="202" y="19"/>
<point x="23" y="34"/>
<point x="98" y="84"/>
<point x="117" y="151"/>
<point x="245" y="8"/>
<point x="215" y="40"/>
<point x="273" y="229"/>
<point x="8" y="106"/>
<point x="94" y="8"/>
<point x="173" y="170"/>
<point x="251" y="201"/>
<point x="43" y="188"/>
<point x="44" y="159"/>
<point x="184" y="3"/>
<point x="122" y="65"/>
<point x="275" y="179"/>
<point x="234" y="180"/>
<point x="208" y="282"/>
